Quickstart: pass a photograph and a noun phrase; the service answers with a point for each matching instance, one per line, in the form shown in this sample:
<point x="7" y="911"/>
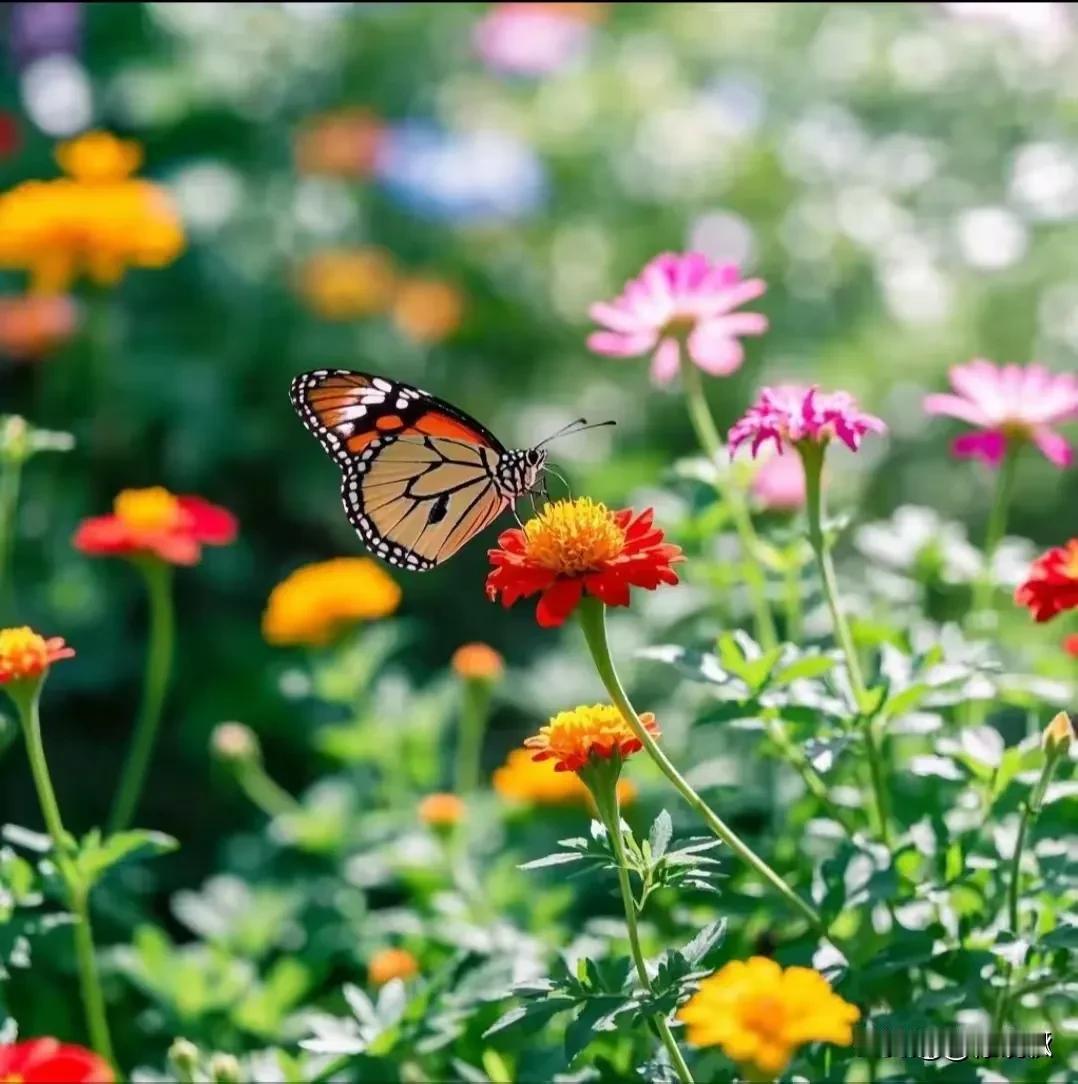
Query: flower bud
<point x="478" y="662"/>
<point x="441" y="810"/>
<point x="1058" y="735"/>
<point x="184" y="1056"/>
<point x="225" y="1069"/>
<point x="235" y="743"/>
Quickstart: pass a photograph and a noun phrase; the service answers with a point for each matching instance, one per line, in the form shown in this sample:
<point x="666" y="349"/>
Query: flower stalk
<point x="474" y="715"/>
<point x="812" y="456"/>
<point x="26" y="696"/>
<point x="593" y="622"/>
<point x="158" y="577"/>
<point x="984" y="588"/>
<point x="601" y="778"/>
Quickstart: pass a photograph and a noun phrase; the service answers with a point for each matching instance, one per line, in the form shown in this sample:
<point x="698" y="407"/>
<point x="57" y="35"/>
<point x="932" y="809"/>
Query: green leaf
<point x="705" y="942"/>
<point x="536" y="1013"/>
<point x="96" y="857"/>
<point x="558" y="858"/>
<point x="808" y="666"/>
<point x="662" y="830"/>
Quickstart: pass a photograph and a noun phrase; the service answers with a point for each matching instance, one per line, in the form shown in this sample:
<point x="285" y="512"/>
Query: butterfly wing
<point x="418" y="474"/>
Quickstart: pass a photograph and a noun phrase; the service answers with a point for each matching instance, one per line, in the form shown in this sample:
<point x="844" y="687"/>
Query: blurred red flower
<point x="573" y="547"/>
<point x="1052" y="584"/>
<point x="1070" y="644"/>
<point x="153" y="522"/>
<point x="48" y="1061"/>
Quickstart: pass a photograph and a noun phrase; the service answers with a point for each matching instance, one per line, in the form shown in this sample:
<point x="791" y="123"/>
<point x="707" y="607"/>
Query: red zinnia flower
<point x="47" y="1061"/>
<point x="153" y="522"/>
<point x="24" y="654"/>
<point x="579" y="546"/>
<point x="1052" y="584"/>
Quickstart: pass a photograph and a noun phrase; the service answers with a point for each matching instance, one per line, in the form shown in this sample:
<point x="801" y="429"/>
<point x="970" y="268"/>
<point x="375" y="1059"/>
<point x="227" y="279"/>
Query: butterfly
<point x="419" y="478"/>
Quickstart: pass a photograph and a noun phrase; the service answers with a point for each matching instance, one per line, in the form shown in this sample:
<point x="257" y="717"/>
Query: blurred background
<point x="438" y="192"/>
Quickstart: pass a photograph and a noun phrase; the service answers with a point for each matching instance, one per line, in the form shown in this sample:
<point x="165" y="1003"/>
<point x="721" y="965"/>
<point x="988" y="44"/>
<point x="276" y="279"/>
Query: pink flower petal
<point x="989" y="445"/>
<point x="715" y="354"/>
<point x="666" y="362"/>
<point x="613" y="344"/>
<point x="1055" y="448"/>
<point x="955" y="407"/>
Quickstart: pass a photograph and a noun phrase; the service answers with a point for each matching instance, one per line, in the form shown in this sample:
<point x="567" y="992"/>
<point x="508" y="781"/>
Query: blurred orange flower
<point x="33" y="325"/>
<point x="97" y="221"/>
<point x="153" y="522"/>
<point x="441" y="810"/>
<point x="344" y="143"/>
<point x="428" y="310"/>
<point x="523" y="779"/>
<point x="572" y="739"/>
<point x="391" y="963"/>
<point x="24" y="654"/>
<point x="345" y="283"/>
<point x="317" y="602"/>
<point x="478" y="662"/>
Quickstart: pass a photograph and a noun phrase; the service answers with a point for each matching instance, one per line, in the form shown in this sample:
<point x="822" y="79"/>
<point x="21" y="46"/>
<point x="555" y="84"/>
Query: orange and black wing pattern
<point x="418" y="475"/>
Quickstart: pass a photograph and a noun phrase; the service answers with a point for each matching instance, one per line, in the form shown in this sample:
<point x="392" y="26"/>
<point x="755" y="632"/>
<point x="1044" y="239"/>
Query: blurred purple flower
<point x="473" y="177"/>
<point x="41" y="29"/>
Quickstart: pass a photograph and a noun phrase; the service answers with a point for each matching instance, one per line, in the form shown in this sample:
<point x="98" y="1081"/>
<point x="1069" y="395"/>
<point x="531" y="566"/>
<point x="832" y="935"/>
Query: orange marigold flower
<point x="428" y="310"/>
<point x="1052" y="584"/>
<point x="24" y="654"/>
<point x="33" y="325"/>
<point x="97" y="221"/>
<point x="575" y="547"/>
<point x="573" y="738"/>
<point x="391" y="963"/>
<point x="317" y="602"/>
<point x="478" y="662"/>
<point x="523" y="779"/>
<point x="441" y="810"/>
<point x="344" y="143"/>
<point x="46" y="1061"/>
<point x="760" y="1013"/>
<point x="155" y="523"/>
<point x="345" y="283"/>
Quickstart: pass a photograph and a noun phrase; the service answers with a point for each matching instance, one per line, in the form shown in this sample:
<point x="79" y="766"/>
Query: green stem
<point x="264" y="791"/>
<point x="610" y="813"/>
<point x="474" y="713"/>
<point x="792" y="600"/>
<point x="708" y="436"/>
<point x="27" y="702"/>
<point x="10" y="475"/>
<point x="593" y="622"/>
<point x="158" y="666"/>
<point x="812" y="456"/>
<point x="984" y="589"/>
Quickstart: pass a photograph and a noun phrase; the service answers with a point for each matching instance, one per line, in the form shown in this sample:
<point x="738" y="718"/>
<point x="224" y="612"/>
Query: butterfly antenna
<point x="574" y="427"/>
<point x="561" y="478"/>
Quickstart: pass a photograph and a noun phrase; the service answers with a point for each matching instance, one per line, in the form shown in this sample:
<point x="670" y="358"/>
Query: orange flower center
<point x="1071" y="567"/>
<point x="153" y="509"/>
<point x="764" y="1015"/>
<point x="570" y="537"/>
<point x="22" y="652"/>
<point x="11" y="1078"/>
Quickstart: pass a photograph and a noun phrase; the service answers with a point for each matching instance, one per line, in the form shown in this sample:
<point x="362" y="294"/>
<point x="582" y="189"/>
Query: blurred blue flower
<point x="482" y="176"/>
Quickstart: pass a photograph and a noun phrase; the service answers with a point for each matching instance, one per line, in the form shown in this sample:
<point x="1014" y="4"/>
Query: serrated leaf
<point x="559" y="858"/>
<point x="705" y="942"/>
<point x="808" y="666"/>
<point x="662" y="831"/>
<point x="537" y="1012"/>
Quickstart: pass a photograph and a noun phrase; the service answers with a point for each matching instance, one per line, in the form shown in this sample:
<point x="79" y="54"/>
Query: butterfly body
<point x="420" y="478"/>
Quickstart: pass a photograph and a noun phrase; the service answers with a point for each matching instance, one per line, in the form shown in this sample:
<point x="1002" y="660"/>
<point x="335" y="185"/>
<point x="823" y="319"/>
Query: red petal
<point x="558" y="602"/>
<point x="210" y="523"/>
<point x="103" y="536"/>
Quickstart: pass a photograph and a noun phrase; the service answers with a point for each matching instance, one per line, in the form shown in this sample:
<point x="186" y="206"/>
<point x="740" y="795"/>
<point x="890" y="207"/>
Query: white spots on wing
<point x="382" y="384"/>
<point x="401" y="403"/>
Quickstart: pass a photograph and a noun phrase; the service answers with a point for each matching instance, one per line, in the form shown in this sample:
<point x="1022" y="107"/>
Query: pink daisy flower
<point x="1009" y="402"/>
<point x="779" y="485"/>
<point x="790" y="415"/>
<point x="680" y="297"/>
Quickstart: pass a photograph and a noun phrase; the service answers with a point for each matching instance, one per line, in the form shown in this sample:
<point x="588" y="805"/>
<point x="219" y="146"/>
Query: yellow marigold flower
<point x="391" y="963"/>
<point x="478" y="662"/>
<point x="441" y="810"/>
<point x="1058" y="734"/>
<point x="345" y="283"/>
<point x="537" y="782"/>
<point x="760" y="1013"/>
<point x="428" y="310"/>
<point x="317" y="602"/>
<point x="573" y="738"/>
<point x="97" y="221"/>
<point x="25" y="655"/>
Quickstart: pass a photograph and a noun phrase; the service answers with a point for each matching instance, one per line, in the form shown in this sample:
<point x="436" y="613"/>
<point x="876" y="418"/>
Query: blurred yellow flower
<point x="536" y="782"/>
<point x="31" y="325"/>
<point x="441" y="810"/>
<point x="428" y="310"/>
<point x="391" y="963"/>
<point x="343" y="143"/>
<point x="345" y="283"/>
<point x="478" y="662"/>
<point x="760" y="1013"/>
<point x="97" y="221"/>
<point x="317" y="602"/>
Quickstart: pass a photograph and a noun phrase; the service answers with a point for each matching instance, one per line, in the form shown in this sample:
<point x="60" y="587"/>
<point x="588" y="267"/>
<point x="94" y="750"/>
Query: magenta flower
<point x="1009" y="402"/>
<point x="680" y="298"/>
<point x="779" y="484"/>
<point x="791" y="415"/>
<point x="532" y="39"/>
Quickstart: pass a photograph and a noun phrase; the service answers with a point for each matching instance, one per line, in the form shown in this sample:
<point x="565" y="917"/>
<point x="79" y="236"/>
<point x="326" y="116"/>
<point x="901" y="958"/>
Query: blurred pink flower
<point x="533" y="39"/>
<point x="680" y="296"/>
<point x="779" y="484"/>
<point x="1009" y="402"/>
<point x="790" y="414"/>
